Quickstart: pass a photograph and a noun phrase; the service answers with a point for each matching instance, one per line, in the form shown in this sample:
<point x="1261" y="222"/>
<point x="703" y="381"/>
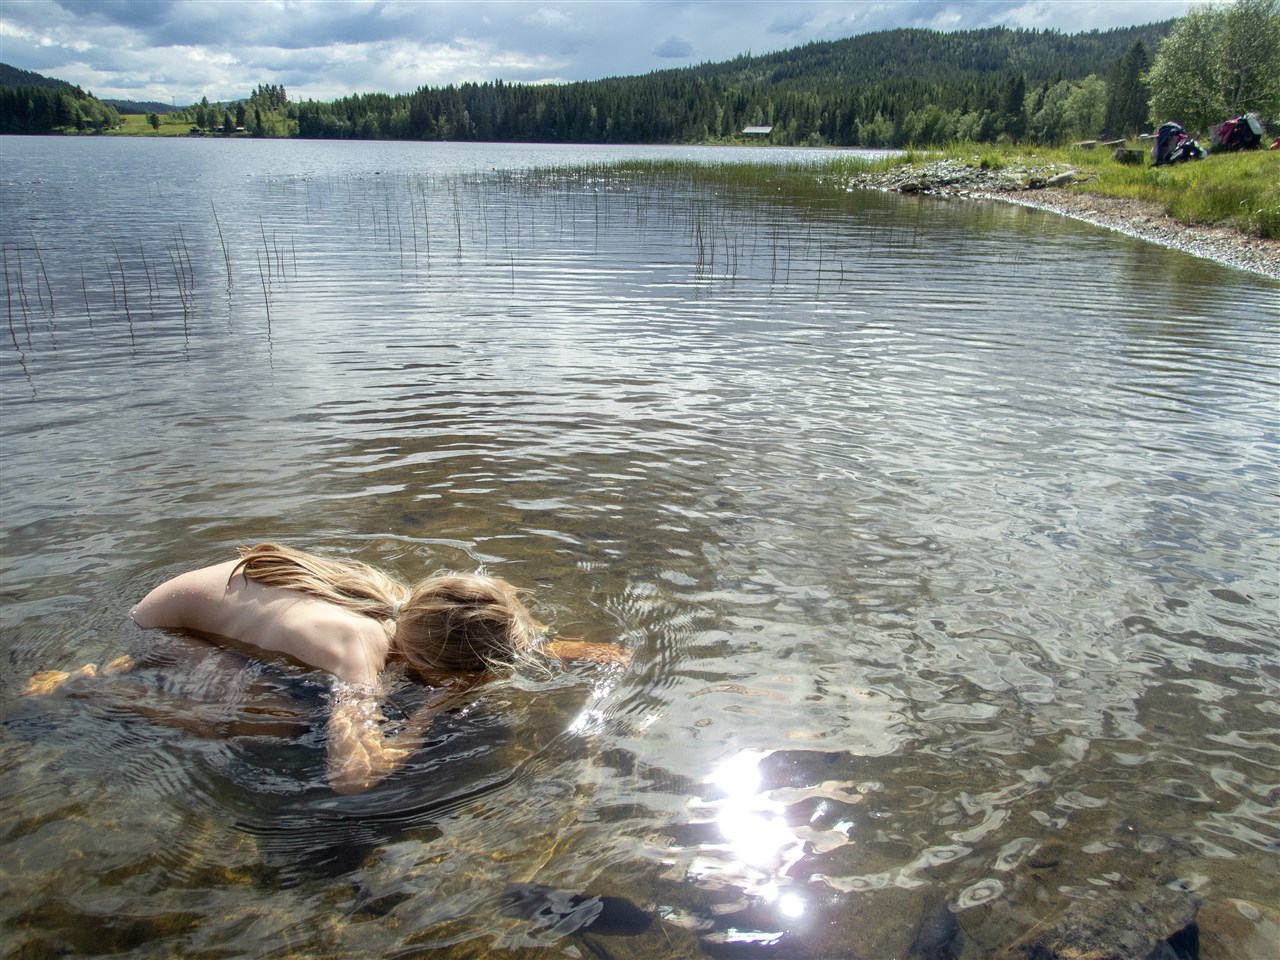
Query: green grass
<point x="136" y="125"/>
<point x="1241" y="190"/>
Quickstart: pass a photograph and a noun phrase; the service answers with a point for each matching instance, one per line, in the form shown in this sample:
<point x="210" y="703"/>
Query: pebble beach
<point x="1056" y="189"/>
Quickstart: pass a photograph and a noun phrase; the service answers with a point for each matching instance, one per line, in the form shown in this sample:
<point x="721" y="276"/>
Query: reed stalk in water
<point x="265" y="298"/>
<point x="45" y="273"/>
<point x="225" y="255"/>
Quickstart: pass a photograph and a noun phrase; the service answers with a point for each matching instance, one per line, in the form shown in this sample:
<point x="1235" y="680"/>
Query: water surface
<point x="944" y="534"/>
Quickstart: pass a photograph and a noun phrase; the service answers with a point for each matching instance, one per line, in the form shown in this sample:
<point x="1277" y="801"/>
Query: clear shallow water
<point x="944" y="535"/>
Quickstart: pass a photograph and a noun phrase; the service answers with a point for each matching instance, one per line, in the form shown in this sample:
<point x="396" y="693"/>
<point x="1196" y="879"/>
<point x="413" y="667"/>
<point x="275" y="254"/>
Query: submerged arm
<point x="359" y="753"/>
<point x="568" y="651"/>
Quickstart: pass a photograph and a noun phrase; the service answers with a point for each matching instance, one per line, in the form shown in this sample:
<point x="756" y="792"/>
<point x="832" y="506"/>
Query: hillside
<point x="14" y="77"/>
<point x="932" y="56"/>
<point x="141" y="106"/>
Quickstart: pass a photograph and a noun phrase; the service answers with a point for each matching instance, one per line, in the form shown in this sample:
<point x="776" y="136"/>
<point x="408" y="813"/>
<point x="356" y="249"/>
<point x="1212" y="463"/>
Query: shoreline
<point x="1049" y="188"/>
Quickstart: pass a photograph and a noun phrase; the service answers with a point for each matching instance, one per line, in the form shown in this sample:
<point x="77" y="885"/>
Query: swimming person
<point x="453" y="630"/>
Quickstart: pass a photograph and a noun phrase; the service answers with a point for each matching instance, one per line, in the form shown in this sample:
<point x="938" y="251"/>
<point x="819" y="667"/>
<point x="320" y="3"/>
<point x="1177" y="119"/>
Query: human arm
<point x="569" y="651"/>
<point x="358" y="751"/>
<point x="194" y="600"/>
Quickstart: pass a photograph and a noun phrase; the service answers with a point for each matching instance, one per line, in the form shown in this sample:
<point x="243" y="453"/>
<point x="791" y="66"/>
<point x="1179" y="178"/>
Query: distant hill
<point x="14" y="77"/>
<point x="143" y="106"/>
<point x="930" y="56"/>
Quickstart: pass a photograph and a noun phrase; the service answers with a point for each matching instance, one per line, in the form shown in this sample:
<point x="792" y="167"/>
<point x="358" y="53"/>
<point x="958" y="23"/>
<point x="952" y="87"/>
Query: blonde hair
<point x="447" y="622"/>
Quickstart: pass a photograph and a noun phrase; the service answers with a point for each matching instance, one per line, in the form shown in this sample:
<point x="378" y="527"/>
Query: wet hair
<point x="447" y="622"/>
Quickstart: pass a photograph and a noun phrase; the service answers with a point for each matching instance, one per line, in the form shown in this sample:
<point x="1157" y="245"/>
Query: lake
<point x="944" y="535"/>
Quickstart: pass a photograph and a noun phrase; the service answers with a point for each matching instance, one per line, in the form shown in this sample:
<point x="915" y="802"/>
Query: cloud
<point x="675" y="48"/>
<point x="793" y="23"/>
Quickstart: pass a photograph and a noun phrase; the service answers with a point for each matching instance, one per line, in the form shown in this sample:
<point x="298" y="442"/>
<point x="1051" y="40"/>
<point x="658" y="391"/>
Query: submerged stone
<point x="1158" y="924"/>
<point x="937" y="935"/>
<point x="563" y="913"/>
<point x="1238" y="930"/>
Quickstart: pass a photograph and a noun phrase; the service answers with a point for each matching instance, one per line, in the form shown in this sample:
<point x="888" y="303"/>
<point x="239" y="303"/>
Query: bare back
<point x="320" y="634"/>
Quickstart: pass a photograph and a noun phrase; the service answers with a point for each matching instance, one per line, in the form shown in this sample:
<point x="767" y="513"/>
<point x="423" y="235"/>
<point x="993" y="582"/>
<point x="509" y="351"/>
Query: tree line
<point x="265" y="114"/>
<point x="40" y="109"/>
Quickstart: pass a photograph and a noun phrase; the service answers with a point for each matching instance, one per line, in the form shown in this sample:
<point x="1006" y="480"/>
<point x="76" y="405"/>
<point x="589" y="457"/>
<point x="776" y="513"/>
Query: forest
<point x="30" y="103"/>
<point x="886" y="89"/>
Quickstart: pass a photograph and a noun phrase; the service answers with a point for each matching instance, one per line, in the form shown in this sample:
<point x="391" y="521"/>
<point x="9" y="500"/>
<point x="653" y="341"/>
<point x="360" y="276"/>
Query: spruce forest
<point x="887" y="89"/>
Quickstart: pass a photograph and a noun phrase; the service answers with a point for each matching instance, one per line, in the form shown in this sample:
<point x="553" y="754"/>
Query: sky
<point x="177" y="51"/>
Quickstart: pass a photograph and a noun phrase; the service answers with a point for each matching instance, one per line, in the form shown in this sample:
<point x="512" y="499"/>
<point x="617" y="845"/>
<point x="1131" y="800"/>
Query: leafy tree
<point x="1218" y="62"/>
<point x="877" y="132"/>
<point x="1049" y="123"/>
<point x="1250" y="58"/>
<point x="154" y="120"/>
<point x="1086" y="107"/>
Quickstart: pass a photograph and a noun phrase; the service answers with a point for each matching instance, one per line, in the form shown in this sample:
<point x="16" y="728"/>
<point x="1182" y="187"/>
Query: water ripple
<point x="933" y="578"/>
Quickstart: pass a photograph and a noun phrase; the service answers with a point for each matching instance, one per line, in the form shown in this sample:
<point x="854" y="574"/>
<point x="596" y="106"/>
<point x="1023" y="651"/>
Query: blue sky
<point x="180" y="50"/>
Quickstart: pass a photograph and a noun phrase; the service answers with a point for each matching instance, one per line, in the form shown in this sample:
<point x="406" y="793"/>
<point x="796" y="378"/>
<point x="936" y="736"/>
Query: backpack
<point x="1173" y="145"/>
<point x="1166" y="140"/>
<point x="1238" y="133"/>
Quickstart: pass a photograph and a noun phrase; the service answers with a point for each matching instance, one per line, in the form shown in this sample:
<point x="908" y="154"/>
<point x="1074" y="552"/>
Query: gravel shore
<point x="1055" y="189"/>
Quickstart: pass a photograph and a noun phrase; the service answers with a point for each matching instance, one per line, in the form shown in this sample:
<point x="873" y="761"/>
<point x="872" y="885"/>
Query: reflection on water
<point x="944" y="535"/>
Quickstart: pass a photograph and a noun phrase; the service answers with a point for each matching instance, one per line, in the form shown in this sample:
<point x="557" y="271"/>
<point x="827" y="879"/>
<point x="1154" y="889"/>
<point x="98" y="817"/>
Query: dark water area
<point x="944" y="536"/>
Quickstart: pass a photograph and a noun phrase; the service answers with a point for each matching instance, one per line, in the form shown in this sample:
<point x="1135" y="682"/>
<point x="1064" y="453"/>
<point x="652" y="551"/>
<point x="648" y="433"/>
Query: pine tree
<point x="1128" y="93"/>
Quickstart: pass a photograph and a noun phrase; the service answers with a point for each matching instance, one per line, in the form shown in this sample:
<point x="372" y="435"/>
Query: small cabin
<point x="757" y="131"/>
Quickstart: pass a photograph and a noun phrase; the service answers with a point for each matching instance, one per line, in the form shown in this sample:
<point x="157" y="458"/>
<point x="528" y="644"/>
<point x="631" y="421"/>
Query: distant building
<point x="757" y="131"/>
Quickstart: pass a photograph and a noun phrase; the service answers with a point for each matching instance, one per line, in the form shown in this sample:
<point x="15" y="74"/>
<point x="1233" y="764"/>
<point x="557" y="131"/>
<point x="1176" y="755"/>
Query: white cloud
<point x="674" y="48"/>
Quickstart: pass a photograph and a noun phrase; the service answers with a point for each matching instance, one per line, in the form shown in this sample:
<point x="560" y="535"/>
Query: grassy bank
<point x="137" y="125"/>
<point x="1238" y="190"/>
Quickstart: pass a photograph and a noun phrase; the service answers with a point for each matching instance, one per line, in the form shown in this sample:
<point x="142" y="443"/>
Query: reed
<point x="124" y="284"/>
<point x="226" y="256"/>
<point x="43" y="272"/>
<point x="266" y="299"/>
<point x="8" y="294"/>
<point x="265" y="246"/>
<point x="84" y="289"/>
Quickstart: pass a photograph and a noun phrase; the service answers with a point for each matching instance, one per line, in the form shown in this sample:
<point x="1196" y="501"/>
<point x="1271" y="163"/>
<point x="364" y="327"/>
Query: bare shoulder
<point x="185" y="601"/>
<point x="272" y="618"/>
